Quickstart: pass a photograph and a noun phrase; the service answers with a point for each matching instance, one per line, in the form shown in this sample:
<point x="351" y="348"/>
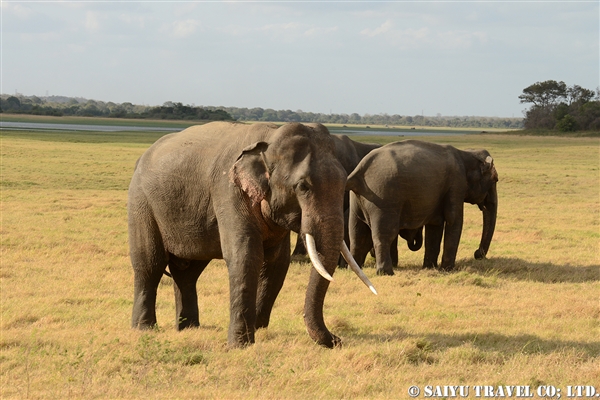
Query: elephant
<point x="411" y="184"/>
<point x="349" y="153"/>
<point x="234" y="191"/>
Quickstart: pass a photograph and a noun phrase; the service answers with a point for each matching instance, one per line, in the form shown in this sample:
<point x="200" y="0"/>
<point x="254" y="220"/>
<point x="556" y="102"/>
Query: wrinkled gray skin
<point x="349" y="153"/>
<point x="409" y="184"/>
<point x="233" y="191"/>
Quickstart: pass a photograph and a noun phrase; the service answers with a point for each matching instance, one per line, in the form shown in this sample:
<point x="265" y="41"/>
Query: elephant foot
<point x="185" y="323"/>
<point x="142" y="326"/>
<point x="479" y="254"/>
<point x="262" y="322"/>
<point x="447" y="268"/>
<point x="385" y="272"/>
<point x="240" y="342"/>
<point x="327" y="339"/>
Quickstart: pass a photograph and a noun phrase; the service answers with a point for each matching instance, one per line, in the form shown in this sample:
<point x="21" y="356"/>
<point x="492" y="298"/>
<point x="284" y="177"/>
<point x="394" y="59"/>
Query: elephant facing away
<point x="349" y="153"/>
<point x="233" y="191"/>
<point x="410" y="184"/>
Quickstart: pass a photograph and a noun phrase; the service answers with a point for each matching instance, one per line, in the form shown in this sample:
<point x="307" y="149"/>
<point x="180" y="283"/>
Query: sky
<point x="465" y="58"/>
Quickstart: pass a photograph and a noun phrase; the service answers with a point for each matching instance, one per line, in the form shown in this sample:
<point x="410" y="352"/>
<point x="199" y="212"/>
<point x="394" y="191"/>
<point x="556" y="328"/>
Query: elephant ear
<point x="251" y="173"/>
<point x="487" y="167"/>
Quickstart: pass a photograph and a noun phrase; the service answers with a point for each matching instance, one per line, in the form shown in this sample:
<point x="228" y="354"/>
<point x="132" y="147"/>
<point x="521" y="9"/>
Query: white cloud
<point x="17" y="9"/>
<point x="383" y="28"/>
<point x="91" y="21"/>
<point x="293" y="31"/>
<point x="429" y="35"/>
<point x="320" y="31"/>
<point x="133" y="20"/>
<point x="276" y="28"/>
<point x="459" y="39"/>
<point x="182" y="29"/>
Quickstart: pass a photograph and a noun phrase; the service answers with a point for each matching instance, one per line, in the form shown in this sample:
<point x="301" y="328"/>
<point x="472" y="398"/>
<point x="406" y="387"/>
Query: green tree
<point x="578" y="95"/>
<point x="544" y="94"/>
<point x="13" y="104"/>
<point x="567" y="124"/>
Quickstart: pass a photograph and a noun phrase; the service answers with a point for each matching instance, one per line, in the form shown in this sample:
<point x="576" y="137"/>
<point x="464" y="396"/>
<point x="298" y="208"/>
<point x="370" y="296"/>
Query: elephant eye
<point x="302" y="187"/>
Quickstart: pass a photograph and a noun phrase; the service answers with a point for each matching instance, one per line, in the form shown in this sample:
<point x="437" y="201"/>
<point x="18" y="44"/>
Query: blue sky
<point x="395" y="57"/>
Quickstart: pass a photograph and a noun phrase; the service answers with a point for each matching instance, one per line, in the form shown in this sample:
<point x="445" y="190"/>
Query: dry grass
<point x="529" y="315"/>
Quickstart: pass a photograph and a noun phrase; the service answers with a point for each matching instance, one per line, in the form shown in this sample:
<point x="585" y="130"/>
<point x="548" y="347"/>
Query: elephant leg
<point x="243" y="253"/>
<point x="384" y="233"/>
<point x="452" y="233"/>
<point x="433" y="241"/>
<point x="270" y="281"/>
<point x="394" y="252"/>
<point x="186" y="296"/>
<point x="360" y="239"/>
<point x="149" y="261"/>
<point x="144" y="296"/>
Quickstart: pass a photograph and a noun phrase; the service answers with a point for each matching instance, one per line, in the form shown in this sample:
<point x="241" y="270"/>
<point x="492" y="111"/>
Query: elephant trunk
<point x="417" y="241"/>
<point x="324" y="237"/>
<point x="489" y="209"/>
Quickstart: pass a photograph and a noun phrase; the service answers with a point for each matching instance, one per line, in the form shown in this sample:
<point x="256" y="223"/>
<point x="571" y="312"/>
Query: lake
<point x="123" y="128"/>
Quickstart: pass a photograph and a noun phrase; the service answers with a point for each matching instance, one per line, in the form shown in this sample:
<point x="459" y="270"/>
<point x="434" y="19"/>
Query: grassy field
<point x="529" y="315"/>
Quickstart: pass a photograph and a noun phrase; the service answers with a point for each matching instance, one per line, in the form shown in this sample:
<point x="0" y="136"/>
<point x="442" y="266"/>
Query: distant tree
<point x="567" y="124"/>
<point x="13" y="103"/>
<point x="544" y="94"/>
<point x="557" y="106"/>
<point x="577" y="94"/>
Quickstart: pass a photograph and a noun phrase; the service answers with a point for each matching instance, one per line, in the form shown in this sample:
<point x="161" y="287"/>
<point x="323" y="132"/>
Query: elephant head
<point x="481" y="180"/>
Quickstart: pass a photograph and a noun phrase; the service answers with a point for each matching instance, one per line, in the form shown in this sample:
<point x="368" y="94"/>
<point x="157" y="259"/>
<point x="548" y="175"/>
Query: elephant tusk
<point x="311" y="248"/>
<point x="357" y="270"/>
<point x="489" y="159"/>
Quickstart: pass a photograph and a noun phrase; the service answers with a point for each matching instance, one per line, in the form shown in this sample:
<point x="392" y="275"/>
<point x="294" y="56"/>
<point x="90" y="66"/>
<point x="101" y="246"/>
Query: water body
<point x="123" y="128"/>
<point x="415" y="132"/>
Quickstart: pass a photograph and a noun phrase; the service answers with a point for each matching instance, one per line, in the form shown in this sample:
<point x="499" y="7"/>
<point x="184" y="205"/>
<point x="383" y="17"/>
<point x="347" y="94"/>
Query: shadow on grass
<point x="507" y="344"/>
<point x="490" y="342"/>
<point x="504" y="267"/>
<point x="516" y="268"/>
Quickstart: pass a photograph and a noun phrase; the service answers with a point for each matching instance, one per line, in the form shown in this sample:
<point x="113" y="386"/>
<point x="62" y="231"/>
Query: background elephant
<point x="410" y="184"/>
<point x="349" y="153"/>
<point x="234" y="191"/>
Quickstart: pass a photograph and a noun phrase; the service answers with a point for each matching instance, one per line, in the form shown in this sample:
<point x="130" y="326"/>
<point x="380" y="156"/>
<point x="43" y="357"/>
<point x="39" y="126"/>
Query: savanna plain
<point x="527" y="315"/>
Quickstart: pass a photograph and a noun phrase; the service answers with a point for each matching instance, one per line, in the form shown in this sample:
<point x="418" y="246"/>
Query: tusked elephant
<point x="349" y="153"/>
<point x="234" y="191"/>
<point x="409" y="184"/>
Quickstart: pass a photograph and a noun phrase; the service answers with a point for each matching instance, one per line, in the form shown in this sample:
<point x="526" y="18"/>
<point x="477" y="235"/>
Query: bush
<point x="567" y="124"/>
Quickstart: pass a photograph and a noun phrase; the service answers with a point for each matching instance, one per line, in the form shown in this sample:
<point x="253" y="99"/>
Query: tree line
<point x="260" y="114"/>
<point x="70" y="106"/>
<point x="557" y="106"/>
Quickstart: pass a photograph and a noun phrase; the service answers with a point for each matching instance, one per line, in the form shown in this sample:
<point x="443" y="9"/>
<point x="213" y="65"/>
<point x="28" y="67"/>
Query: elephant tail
<point x="356" y="183"/>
